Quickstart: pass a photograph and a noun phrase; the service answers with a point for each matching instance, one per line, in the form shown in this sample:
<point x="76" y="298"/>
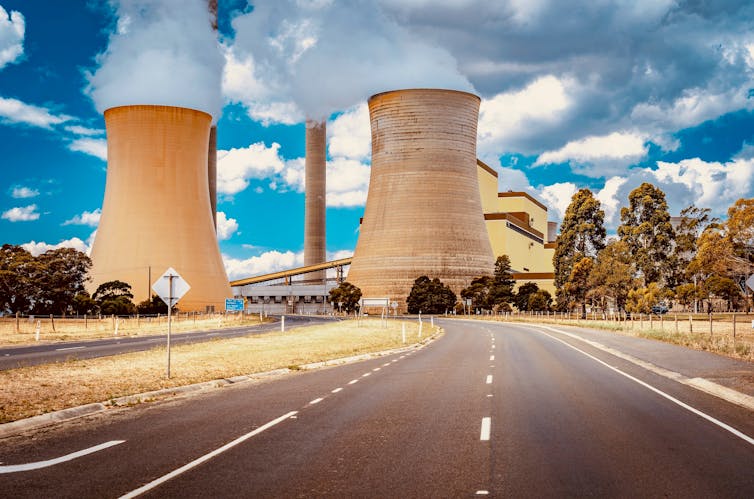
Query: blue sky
<point x="604" y="95"/>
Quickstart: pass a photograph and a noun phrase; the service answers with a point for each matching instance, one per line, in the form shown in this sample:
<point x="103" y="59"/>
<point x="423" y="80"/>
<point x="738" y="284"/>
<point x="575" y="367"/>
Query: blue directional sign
<point x="234" y="304"/>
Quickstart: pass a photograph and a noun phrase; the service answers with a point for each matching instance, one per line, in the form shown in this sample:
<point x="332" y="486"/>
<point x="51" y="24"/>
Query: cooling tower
<point x="314" y="211"/>
<point x="423" y="214"/>
<point x="156" y="213"/>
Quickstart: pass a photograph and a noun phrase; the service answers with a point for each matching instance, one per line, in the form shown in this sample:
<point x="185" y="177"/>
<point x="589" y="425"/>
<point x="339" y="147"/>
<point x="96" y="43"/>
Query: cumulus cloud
<point x="85" y="131"/>
<point x="329" y="56"/>
<point x="599" y="155"/>
<point x="92" y="147"/>
<point x="12" y="30"/>
<point x="270" y="261"/>
<point x="90" y="218"/>
<point x="237" y="166"/>
<point x="347" y="182"/>
<point x="226" y="227"/>
<point x="506" y="119"/>
<point x="23" y="192"/>
<point x="557" y="197"/>
<point x="21" y="214"/>
<point x="37" y="248"/>
<point x="15" y="111"/>
<point x="350" y="135"/>
<point x="163" y="52"/>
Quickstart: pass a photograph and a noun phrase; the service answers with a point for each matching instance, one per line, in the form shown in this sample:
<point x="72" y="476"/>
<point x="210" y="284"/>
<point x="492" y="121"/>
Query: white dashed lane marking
<point x="315" y="401"/>
<point x="336" y="390"/>
<point x="484" y="434"/>
<point x="492" y="357"/>
<point x="489" y="379"/>
<point x="353" y="381"/>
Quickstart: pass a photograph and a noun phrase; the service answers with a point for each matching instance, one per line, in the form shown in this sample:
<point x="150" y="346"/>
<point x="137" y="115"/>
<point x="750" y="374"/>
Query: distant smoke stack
<point x="552" y="231"/>
<point x="156" y="212"/>
<point x="212" y="150"/>
<point x="315" y="247"/>
<point x="423" y="214"/>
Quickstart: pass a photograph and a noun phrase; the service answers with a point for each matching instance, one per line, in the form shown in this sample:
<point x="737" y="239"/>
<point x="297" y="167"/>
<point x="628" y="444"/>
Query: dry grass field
<point x="30" y="391"/>
<point x="24" y="330"/>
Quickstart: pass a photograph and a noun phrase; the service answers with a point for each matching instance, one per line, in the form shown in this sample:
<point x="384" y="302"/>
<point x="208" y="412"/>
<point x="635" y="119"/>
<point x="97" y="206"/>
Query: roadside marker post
<point x="39" y="326"/>
<point x="282" y="324"/>
<point x="170" y="287"/>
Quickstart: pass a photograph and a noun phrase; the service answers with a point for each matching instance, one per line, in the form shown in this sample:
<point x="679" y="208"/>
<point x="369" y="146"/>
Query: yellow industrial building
<point x="517" y="226"/>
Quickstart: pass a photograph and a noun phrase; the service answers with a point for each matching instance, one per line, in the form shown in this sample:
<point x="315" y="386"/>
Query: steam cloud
<point x="163" y="52"/>
<point x="326" y="56"/>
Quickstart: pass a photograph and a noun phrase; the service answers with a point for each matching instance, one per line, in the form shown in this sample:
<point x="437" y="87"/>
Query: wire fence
<point x="727" y="333"/>
<point x="32" y="328"/>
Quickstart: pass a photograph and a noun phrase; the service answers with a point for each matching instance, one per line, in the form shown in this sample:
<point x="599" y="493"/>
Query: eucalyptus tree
<point x="646" y="229"/>
<point x="582" y="234"/>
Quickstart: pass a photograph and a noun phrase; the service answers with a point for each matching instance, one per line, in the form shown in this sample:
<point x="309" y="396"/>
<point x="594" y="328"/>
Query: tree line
<point x="699" y="262"/>
<point x="54" y="283"/>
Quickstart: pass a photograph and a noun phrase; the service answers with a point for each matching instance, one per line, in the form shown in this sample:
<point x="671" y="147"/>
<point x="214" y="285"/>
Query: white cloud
<point x="270" y="261"/>
<point x="609" y="200"/>
<point x="21" y="214"/>
<point x="15" y="111"/>
<point x="237" y="166"/>
<point x="12" y="30"/>
<point x="350" y="135"/>
<point x="82" y="130"/>
<point x="512" y="179"/>
<point x="509" y="116"/>
<point x="92" y="147"/>
<point x="597" y="155"/>
<point x="347" y="182"/>
<point x="90" y="218"/>
<point x="226" y="227"/>
<point x="557" y="197"/>
<point x="713" y="185"/>
<point x="692" y="108"/>
<point x="37" y="248"/>
<point x="22" y="192"/>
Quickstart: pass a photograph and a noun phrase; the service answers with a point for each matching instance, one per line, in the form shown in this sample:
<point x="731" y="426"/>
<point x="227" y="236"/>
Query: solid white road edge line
<point x="659" y="392"/>
<point x="14" y="468"/>
<point x="485" y="433"/>
<point x="196" y="462"/>
<point x="701" y="384"/>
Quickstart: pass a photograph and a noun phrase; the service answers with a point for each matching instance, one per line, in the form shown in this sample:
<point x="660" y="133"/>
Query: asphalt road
<point x="30" y="355"/>
<point x="488" y="409"/>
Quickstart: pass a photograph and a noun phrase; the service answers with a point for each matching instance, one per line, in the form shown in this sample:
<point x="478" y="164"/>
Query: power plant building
<point x="156" y="213"/>
<point x="517" y="226"/>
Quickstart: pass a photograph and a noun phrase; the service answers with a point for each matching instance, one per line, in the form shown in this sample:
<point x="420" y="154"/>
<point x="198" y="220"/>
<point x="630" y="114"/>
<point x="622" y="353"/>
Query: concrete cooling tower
<point x="423" y="214"/>
<point x="156" y="213"/>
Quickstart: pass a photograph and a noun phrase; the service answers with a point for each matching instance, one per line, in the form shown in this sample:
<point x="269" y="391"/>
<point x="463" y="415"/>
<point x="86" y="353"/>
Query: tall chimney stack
<point x="314" y="212"/>
<point x="212" y="149"/>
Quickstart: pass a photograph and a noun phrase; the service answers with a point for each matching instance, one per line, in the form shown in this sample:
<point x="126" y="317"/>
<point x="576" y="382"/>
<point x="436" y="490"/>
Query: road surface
<point x="489" y="409"/>
<point x="30" y="355"/>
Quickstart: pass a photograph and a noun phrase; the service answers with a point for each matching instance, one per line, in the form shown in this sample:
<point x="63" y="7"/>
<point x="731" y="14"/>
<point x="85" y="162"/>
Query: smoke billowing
<point x="320" y="56"/>
<point x="163" y="52"/>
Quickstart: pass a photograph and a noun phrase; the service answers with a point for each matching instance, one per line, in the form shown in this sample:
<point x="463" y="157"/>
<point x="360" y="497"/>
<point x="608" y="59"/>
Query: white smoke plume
<point x="326" y="56"/>
<point x="162" y="52"/>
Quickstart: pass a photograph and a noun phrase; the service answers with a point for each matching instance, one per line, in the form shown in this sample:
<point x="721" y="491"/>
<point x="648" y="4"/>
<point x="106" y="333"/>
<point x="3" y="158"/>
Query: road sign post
<point x="170" y="287"/>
